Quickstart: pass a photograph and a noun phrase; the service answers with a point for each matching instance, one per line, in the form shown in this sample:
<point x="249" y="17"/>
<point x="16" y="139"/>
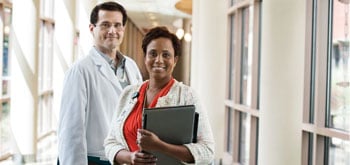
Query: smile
<point x="159" y="67"/>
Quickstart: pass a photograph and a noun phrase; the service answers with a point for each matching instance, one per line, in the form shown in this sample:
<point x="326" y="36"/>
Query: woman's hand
<point x="148" y="141"/>
<point x="142" y="158"/>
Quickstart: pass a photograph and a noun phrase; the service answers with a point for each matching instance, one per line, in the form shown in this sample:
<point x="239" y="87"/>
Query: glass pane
<point x="5" y="129"/>
<point x="234" y="2"/>
<point x="47" y="150"/>
<point x="47" y="146"/>
<point x="5" y="57"/>
<point x="231" y="58"/>
<point x="259" y="57"/>
<point x="5" y="53"/>
<point x="244" y="138"/>
<point x="340" y="71"/>
<point x="339" y="152"/>
<point x="47" y="8"/>
<point x="5" y="87"/>
<point x="257" y="141"/>
<point x="49" y="55"/>
<point x="313" y="63"/>
<point x="246" y="60"/>
<point x="46" y="119"/>
<point x="310" y="147"/>
<point x="46" y="54"/>
<point x="229" y="130"/>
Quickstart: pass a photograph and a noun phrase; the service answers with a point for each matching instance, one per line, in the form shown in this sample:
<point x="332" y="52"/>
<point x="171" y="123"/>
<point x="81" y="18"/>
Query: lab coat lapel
<point x="105" y="69"/>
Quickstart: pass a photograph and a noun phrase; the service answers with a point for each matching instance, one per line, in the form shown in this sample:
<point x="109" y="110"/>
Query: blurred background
<point x="273" y="75"/>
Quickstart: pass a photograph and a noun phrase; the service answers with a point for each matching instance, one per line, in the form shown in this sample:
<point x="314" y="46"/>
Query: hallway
<point x="273" y="75"/>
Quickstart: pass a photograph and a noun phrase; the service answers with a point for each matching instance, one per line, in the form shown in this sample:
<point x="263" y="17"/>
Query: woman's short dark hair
<point x="163" y="32"/>
<point x="110" y="6"/>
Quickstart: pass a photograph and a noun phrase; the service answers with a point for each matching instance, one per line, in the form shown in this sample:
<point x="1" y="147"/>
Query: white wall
<point x="282" y="73"/>
<point x="208" y="62"/>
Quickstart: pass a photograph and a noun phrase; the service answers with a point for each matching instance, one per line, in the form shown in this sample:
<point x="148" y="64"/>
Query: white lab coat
<point x="89" y="99"/>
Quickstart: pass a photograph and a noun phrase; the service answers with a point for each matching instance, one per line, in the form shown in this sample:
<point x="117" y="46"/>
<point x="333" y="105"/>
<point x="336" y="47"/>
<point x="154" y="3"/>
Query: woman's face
<point x="160" y="59"/>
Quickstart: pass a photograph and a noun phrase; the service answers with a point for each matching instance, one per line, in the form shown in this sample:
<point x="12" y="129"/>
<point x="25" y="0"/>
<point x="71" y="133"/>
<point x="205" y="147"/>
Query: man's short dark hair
<point x="110" y="6"/>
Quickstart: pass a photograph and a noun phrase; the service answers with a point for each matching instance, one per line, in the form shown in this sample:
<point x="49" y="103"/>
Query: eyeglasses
<point x="107" y="25"/>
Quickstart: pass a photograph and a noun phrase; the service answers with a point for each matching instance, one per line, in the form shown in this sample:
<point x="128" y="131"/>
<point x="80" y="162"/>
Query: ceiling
<point x="150" y="13"/>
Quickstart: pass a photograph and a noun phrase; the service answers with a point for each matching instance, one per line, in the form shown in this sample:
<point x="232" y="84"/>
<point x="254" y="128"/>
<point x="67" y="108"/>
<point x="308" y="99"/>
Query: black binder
<point x="175" y="125"/>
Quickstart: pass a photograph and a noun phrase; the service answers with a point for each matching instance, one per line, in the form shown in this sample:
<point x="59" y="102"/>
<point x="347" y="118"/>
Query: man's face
<point x="108" y="32"/>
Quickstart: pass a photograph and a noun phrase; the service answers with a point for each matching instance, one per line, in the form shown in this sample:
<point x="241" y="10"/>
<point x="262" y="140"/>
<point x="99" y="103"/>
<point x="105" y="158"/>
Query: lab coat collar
<point x="105" y="68"/>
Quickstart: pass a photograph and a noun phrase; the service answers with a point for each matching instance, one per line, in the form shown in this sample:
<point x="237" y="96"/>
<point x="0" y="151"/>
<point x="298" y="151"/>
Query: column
<point x="208" y="61"/>
<point x="281" y="86"/>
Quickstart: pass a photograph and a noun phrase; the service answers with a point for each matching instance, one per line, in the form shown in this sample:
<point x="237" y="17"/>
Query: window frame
<point x="46" y="121"/>
<point x="315" y="133"/>
<point x="5" y="98"/>
<point x="233" y="106"/>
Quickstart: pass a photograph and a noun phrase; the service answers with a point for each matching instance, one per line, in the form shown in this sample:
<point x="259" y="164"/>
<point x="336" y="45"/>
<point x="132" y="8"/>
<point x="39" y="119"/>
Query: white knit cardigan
<point x="179" y="94"/>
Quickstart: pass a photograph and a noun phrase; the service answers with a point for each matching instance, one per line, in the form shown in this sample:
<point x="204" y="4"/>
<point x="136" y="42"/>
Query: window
<point x="5" y="126"/>
<point x="326" y="121"/>
<point x="46" y="125"/>
<point x="242" y="98"/>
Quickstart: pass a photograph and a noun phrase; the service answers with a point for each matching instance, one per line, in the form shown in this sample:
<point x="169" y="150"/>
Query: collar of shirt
<point x="111" y="62"/>
<point x="121" y="60"/>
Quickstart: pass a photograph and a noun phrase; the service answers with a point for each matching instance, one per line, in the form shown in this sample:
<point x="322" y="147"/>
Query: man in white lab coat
<point x="92" y="87"/>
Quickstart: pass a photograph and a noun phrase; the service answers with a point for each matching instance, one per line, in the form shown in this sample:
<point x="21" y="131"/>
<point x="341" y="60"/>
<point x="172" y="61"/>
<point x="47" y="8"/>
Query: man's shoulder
<point x="129" y="59"/>
<point x="86" y="60"/>
<point x="82" y="65"/>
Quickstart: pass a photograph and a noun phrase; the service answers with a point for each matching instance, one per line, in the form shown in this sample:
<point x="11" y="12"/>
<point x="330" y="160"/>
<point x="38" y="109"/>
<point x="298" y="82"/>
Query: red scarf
<point x="134" y="120"/>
